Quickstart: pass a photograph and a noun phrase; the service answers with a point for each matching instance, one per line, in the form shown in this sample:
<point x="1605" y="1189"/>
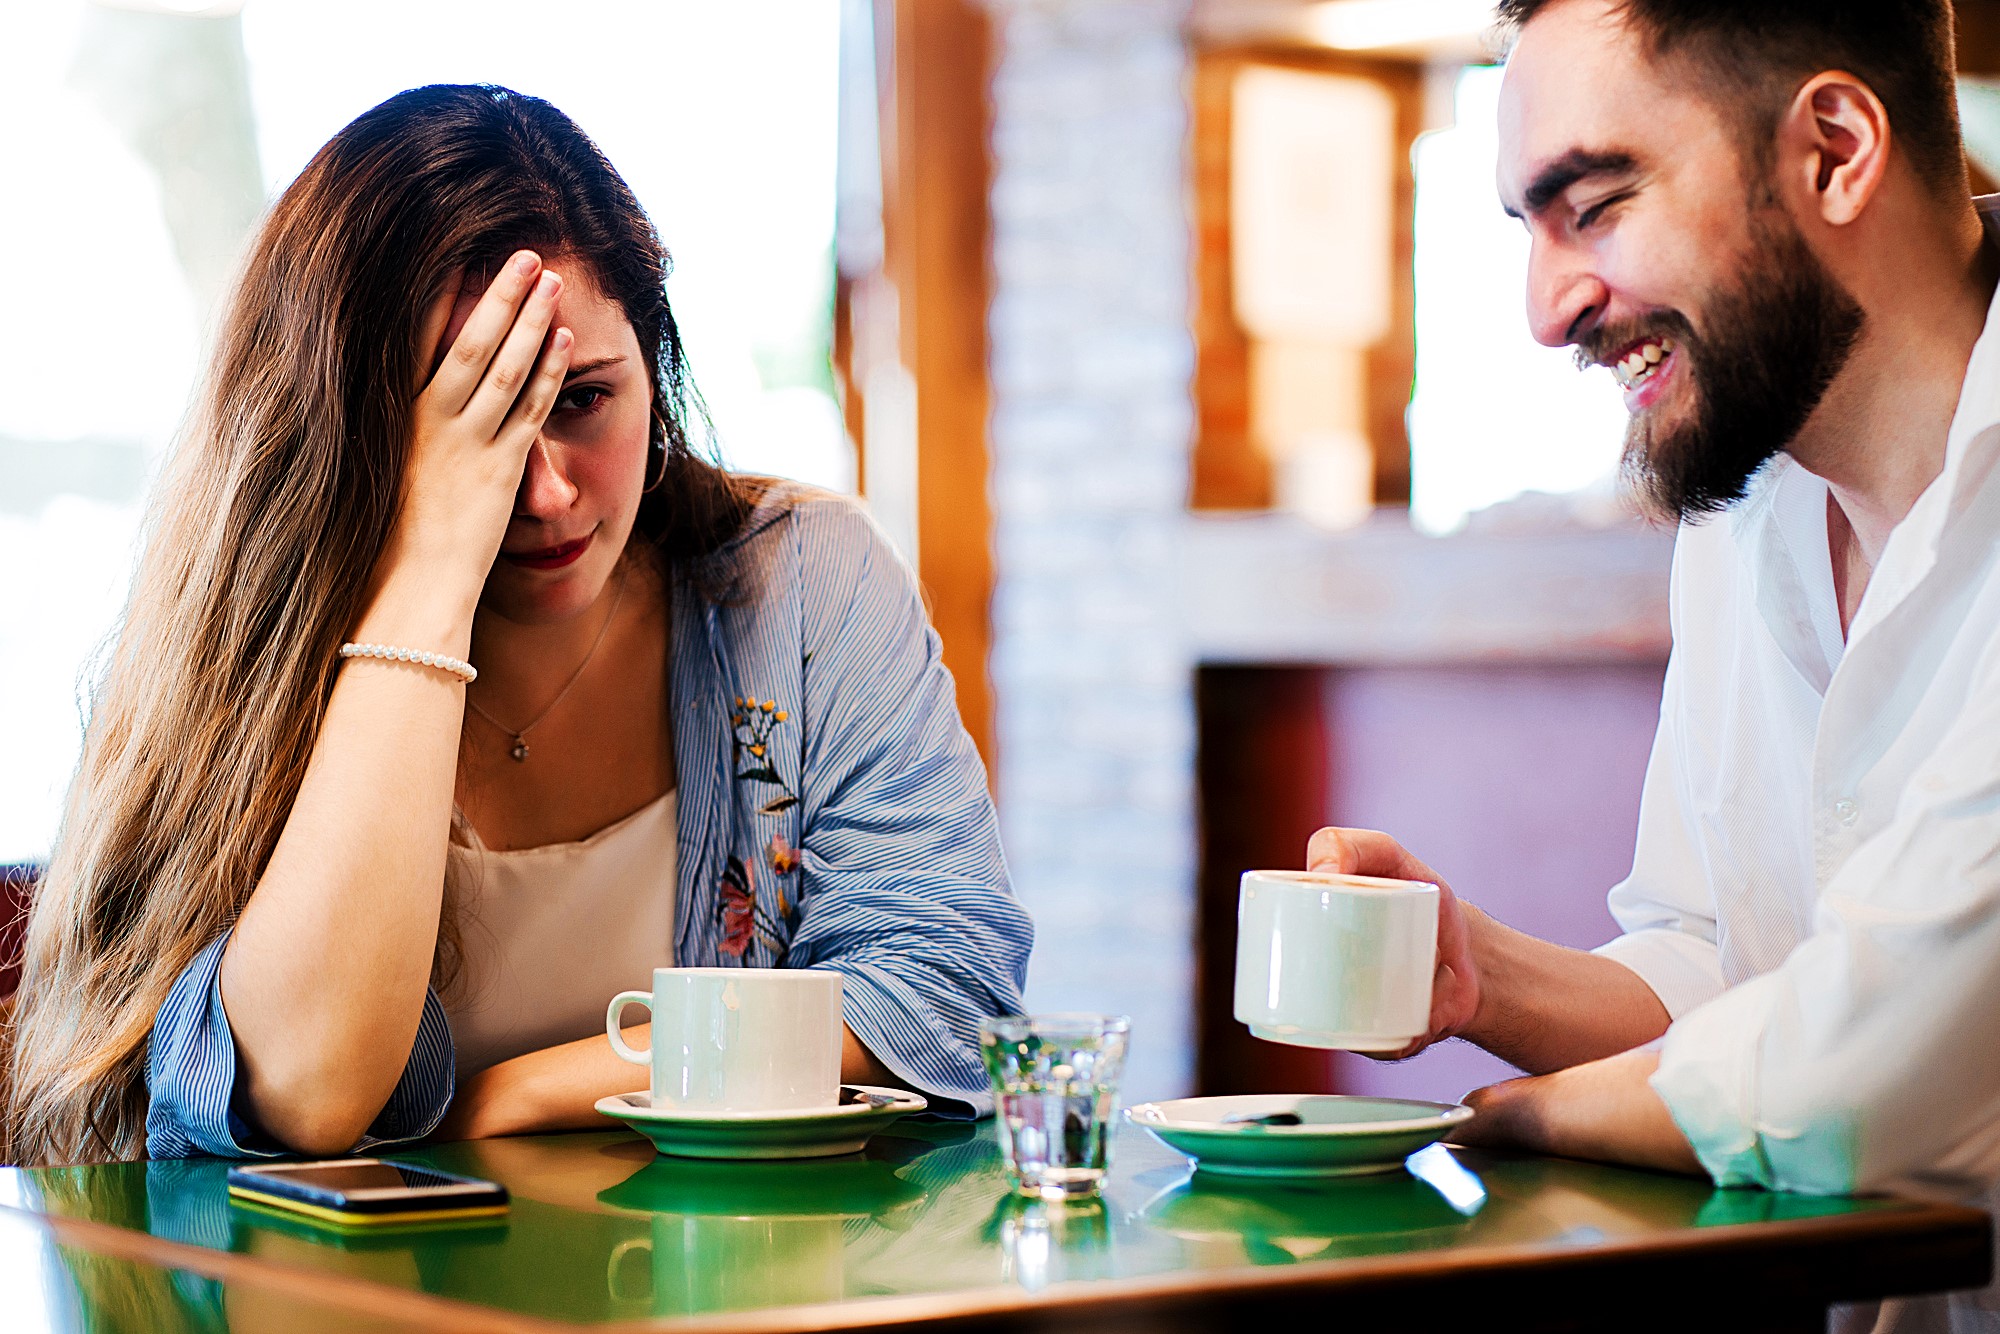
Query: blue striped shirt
<point x="832" y="814"/>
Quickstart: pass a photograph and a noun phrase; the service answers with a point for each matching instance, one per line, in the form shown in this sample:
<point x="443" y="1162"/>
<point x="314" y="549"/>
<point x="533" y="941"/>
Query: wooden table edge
<point x="356" y="1295"/>
<point x="1914" y="1222"/>
<point x="1907" y="1222"/>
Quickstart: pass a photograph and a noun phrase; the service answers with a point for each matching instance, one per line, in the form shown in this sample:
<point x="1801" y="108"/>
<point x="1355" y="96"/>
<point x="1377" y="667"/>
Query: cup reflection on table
<point x="1043" y="1243"/>
<point x="732" y="1235"/>
<point x="694" y="1264"/>
<point x="1055" y="1092"/>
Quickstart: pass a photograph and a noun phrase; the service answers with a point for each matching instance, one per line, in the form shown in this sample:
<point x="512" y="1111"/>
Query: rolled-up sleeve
<point x="904" y="890"/>
<point x="192" y="1103"/>
<point x="1866" y="1060"/>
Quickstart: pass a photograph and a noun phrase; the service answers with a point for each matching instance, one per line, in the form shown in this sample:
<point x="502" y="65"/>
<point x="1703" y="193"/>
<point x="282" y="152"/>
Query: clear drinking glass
<point x="1055" y="1089"/>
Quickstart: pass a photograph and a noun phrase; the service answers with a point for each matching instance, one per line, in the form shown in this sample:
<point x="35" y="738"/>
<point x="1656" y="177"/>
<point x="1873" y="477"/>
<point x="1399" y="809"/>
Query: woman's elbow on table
<point x="311" y="1104"/>
<point x="318" y="1121"/>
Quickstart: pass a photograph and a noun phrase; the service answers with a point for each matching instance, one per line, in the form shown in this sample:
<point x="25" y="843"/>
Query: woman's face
<point x="580" y="493"/>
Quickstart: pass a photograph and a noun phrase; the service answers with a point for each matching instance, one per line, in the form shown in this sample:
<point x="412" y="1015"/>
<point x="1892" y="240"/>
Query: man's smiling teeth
<point x="1638" y="365"/>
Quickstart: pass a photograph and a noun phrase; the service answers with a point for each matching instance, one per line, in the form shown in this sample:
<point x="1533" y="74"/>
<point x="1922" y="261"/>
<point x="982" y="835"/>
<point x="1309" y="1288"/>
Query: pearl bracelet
<point x="458" y="667"/>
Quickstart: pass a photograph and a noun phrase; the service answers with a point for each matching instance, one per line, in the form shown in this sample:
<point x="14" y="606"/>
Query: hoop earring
<point x="659" y="446"/>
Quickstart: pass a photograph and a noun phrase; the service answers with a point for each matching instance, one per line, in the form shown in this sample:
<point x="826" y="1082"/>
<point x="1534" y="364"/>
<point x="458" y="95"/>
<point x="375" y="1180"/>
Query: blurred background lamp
<point x="1368" y="25"/>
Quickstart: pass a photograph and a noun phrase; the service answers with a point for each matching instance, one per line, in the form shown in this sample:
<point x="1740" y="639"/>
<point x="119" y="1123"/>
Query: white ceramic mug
<point x="738" y="1039"/>
<point x="1341" y="961"/>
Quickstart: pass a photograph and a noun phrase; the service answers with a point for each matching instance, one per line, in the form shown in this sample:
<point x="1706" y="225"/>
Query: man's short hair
<point x="1758" y="52"/>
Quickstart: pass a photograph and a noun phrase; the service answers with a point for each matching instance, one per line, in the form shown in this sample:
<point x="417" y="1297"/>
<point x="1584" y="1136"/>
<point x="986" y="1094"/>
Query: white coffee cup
<point x="1340" y="961"/>
<point x="738" y="1039"/>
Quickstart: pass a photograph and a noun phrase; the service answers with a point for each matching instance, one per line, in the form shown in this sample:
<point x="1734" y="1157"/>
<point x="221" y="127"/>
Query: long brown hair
<point x="260" y="543"/>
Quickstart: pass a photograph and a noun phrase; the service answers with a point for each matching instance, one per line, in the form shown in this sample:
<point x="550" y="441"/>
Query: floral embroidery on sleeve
<point x="753" y="723"/>
<point x="743" y="921"/>
<point x="746" y="921"/>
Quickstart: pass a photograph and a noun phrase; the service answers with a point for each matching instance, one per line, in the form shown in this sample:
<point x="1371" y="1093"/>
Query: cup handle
<point x="617" y="1262"/>
<point x="612" y="1031"/>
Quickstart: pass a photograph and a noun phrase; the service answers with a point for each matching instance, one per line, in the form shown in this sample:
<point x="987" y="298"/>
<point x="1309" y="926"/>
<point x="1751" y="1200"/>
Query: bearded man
<point x="1756" y="213"/>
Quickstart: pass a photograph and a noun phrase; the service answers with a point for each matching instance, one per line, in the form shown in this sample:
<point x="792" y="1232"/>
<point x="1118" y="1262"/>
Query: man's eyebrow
<point x="1576" y="165"/>
<point x="586" y="367"/>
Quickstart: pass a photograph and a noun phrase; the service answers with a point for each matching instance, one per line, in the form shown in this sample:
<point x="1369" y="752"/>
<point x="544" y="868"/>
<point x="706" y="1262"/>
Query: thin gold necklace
<point x="520" y="734"/>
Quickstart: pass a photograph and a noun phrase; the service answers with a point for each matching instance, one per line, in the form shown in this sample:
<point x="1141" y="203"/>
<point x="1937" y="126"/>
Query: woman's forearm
<point x="324" y="978"/>
<point x="557" y="1088"/>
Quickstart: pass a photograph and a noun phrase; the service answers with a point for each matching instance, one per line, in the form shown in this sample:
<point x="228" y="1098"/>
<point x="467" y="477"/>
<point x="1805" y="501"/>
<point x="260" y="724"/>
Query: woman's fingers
<point x="465" y="367"/>
<point x="514" y="364"/>
<point x="532" y="408"/>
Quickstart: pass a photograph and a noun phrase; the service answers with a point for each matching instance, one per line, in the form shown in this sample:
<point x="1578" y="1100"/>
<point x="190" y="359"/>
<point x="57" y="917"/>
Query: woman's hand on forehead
<point x="459" y="299"/>
<point x="500" y="364"/>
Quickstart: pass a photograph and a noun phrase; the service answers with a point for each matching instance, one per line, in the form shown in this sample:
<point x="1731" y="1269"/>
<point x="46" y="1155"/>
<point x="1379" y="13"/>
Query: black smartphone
<point x="366" y="1192"/>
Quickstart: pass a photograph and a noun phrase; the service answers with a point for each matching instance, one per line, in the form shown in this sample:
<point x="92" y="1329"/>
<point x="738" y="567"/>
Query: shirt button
<point x="1846" y="811"/>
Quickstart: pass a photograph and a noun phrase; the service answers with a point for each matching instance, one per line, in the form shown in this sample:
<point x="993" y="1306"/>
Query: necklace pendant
<point x="520" y="751"/>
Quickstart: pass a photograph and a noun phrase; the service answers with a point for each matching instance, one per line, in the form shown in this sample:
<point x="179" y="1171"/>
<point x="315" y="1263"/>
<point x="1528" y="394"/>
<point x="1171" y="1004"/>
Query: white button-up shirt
<point x="1815" y="894"/>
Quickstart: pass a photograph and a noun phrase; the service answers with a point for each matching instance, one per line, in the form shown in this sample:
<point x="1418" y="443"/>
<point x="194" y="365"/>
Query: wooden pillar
<point x="934" y="64"/>
<point x="1978" y="37"/>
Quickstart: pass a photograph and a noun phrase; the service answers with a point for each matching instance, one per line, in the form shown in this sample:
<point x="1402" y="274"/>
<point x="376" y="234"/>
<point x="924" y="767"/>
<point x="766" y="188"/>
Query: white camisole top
<point x="553" y="933"/>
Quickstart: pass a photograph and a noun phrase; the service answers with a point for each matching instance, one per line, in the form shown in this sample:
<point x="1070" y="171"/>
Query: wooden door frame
<point x="933" y="67"/>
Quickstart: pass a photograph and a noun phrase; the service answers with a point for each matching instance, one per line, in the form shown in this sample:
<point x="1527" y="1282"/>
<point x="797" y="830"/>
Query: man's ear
<point x="1833" y="140"/>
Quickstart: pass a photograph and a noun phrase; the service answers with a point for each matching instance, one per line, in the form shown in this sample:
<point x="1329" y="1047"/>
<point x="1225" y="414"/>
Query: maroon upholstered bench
<point x="17" y="883"/>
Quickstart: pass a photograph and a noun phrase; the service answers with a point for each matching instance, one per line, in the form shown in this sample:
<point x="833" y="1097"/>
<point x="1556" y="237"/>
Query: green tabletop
<point x="922" y="1227"/>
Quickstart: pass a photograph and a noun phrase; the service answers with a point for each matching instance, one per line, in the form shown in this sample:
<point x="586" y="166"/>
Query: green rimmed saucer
<point x="1335" y="1135"/>
<point x="806" y="1132"/>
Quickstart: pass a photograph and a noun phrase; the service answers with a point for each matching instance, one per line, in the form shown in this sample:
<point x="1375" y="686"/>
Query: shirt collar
<point x="1780" y="530"/>
<point x="1973" y="438"/>
<point x="1971" y="445"/>
<point x="1781" y="524"/>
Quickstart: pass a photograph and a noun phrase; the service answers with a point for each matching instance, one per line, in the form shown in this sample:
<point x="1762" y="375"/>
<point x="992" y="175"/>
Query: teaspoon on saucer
<point x="850" y="1095"/>
<point x="1265" y="1119"/>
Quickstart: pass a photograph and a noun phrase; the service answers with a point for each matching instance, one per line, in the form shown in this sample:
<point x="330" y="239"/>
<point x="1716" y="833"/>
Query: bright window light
<point x="721" y="115"/>
<point x="32" y="1273"/>
<point x="1495" y="415"/>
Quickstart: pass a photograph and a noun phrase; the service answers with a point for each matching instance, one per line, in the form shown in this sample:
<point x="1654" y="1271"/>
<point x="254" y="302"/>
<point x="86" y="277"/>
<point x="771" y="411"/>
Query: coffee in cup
<point x="738" y="1039"/>
<point x="1338" y="961"/>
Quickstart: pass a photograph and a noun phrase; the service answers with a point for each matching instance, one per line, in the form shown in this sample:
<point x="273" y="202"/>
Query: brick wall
<point x="1092" y="364"/>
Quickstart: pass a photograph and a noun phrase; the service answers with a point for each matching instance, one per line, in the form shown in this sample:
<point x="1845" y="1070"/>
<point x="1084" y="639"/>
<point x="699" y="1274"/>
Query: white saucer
<point x="1338" y="1136"/>
<point x="797" y="1132"/>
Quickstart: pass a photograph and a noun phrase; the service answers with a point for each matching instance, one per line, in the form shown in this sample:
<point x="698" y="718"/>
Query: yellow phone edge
<point x="341" y="1219"/>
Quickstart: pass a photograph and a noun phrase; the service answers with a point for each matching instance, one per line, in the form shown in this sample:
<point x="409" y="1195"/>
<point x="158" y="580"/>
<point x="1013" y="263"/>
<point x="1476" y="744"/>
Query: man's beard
<point x="1769" y="349"/>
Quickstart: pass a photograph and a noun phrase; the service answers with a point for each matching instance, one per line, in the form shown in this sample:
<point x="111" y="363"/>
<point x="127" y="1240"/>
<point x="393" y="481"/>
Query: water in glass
<point x="1055" y="1086"/>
